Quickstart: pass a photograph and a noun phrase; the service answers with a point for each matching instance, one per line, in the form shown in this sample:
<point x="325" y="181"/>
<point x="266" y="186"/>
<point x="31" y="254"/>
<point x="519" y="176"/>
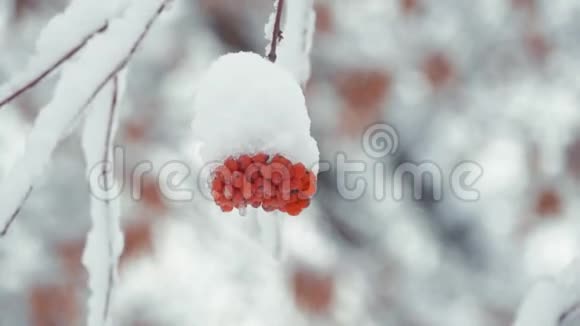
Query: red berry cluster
<point x="258" y="180"/>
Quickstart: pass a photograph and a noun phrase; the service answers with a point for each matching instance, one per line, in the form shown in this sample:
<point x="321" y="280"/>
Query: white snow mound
<point x="247" y="104"/>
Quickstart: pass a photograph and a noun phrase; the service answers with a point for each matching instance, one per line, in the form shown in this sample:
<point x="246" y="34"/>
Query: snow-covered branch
<point x="101" y="60"/>
<point x="35" y="75"/>
<point x="58" y="43"/>
<point x="105" y="240"/>
<point x="293" y="52"/>
<point x="550" y="301"/>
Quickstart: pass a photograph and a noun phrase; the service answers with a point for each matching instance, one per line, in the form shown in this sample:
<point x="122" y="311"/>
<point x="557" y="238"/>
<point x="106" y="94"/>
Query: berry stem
<point x="276" y="32"/>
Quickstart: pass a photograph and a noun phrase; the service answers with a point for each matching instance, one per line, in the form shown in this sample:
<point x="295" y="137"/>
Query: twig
<point x="15" y="214"/>
<point x="125" y="60"/>
<point x="106" y="157"/>
<point x="276" y="32"/>
<point x="122" y="64"/>
<point x="567" y="313"/>
<point x="27" y="85"/>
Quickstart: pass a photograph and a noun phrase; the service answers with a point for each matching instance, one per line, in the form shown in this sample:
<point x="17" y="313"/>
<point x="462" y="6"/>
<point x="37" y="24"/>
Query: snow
<point x="105" y="240"/>
<point x="12" y="139"/>
<point x="57" y="39"/>
<point x="549" y="299"/>
<point x="80" y="80"/>
<point x="246" y="104"/>
<point x="202" y="290"/>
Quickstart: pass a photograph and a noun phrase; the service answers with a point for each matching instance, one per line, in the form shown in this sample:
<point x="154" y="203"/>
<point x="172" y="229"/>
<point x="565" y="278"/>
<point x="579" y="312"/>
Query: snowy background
<point x="495" y="82"/>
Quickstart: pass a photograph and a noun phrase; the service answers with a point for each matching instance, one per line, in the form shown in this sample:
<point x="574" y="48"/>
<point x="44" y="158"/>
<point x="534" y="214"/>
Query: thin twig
<point x="567" y="313"/>
<point x="276" y="32"/>
<point x="125" y="60"/>
<point x="5" y="99"/>
<point x="106" y="157"/>
<point x="122" y="64"/>
<point x="15" y="214"/>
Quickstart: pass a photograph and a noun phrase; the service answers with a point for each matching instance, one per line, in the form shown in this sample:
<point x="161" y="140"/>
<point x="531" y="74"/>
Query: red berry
<point x="244" y="161"/>
<point x="252" y="172"/>
<point x="237" y="179"/>
<point x="295" y="184"/>
<point x="253" y="180"/>
<point x="293" y="209"/>
<point x="266" y="171"/>
<point x="298" y="170"/>
<point x="216" y="195"/>
<point x="282" y="160"/>
<point x="228" y="191"/>
<point x="227" y="207"/>
<point x="231" y="164"/>
<point x="260" y="158"/>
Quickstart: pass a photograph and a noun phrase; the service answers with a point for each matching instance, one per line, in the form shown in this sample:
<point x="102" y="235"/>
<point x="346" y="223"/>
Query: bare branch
<point x="276" y="32"/>
<point x="29" y="84"/>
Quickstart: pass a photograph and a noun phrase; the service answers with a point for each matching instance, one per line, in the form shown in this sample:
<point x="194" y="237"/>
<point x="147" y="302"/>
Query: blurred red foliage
<point x="548" y="203"/>
<point x="438" y="70"/>
<point x="52" y="305"/>
<point x="324" y="18"/>
<point x="409" y="6"/>
<point x="313" y="292"/>
<point x="364" y="93"/>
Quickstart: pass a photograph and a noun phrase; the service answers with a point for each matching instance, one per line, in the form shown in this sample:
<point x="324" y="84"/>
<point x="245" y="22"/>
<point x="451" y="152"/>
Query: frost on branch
<point x="80" y="81"/>
<point x="266" y="117"/>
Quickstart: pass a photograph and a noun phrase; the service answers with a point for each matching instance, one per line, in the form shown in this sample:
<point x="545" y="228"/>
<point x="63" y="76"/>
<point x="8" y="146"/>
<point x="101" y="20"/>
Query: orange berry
<point x="295" y="184"/>
<point x="266" y="171"/>
<point x="252" y="172"/>
<point x="227" y="207"/>
<point x="276" y="179"/>
<point x="298" y="170"/>
<point x="231" y="164"/>
<point x="244" y="161"/>
<point x="247" y="189"/>
<point x="222" y="173"/>
<point x="228" y="191"/>
<point x="238" y="198"/>
<point x="268" y="208"/>
<point x="217" y="185"/>
<point x="260" y="158"/>
<point x="216" y="195"/>
<point x="268" y="190"/>
<point x="303" y="203"/>
<point x="282" y="160"/>
<point x="293" y="209"/>
<point x="237" y="179"/>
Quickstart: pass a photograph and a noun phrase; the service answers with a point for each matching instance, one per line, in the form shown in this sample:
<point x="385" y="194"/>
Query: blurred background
<point x="490" y="81"/>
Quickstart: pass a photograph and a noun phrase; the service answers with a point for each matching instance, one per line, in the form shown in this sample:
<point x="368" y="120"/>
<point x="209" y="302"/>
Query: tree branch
<point x="106" y="157"/>
<point x="112" y="74"/>
<point x="15" y="214"/>
<point x="276" y="31"/>
<point x="29" y="84"/>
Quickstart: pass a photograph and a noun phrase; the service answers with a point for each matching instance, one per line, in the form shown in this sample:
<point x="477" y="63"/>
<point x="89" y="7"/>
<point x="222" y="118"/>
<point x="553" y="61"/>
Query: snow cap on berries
<point x="246" y="104"/>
